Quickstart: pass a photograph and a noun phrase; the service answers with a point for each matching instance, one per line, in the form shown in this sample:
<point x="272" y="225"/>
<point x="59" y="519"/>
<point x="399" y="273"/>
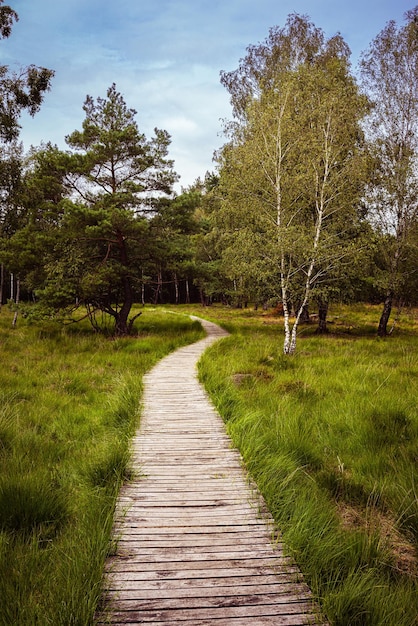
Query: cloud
<point x="181" y="125"/>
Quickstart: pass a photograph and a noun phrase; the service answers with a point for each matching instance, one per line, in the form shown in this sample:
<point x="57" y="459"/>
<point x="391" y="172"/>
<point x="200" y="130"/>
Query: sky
<point x="165" y="57"/>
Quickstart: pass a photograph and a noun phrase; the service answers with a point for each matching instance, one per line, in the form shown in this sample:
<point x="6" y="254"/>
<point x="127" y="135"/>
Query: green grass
<point x="69" y="404"/>
<point x="331" y="437"/>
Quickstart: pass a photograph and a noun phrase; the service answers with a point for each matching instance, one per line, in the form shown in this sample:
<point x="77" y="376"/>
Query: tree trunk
<point x="122" y="326"/>
<point x="287" y="332"/>
<point x="187" y="291"/>
<point x="382" y="330"/>
<point x="121" y="319"/>
<point x="17" y="303"/>
<point x="143" y="289"/>
<point x="322" y="317"/>
<point x="176" y="287"/>
<point x="1" y="284"/>
<point x="290" y="342"/>
<point x="159" y="287"/>
<point x="304" y="316"/>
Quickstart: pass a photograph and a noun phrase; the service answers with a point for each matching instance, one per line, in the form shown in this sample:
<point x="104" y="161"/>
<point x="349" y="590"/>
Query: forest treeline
<point x="313" y="197"/>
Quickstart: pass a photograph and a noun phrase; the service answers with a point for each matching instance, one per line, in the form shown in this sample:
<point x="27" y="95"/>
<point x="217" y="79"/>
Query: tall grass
<point x="331" y="438"/>
<point x="69" y="403"/>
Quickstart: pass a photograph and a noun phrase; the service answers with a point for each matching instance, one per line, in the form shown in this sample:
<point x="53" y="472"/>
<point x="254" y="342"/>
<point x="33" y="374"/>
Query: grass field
<point x="69" y="403"/>
<point x="331" y="437"/>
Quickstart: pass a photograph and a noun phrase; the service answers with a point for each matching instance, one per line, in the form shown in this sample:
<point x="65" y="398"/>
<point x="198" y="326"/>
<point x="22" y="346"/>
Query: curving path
<point x="195" y="546"/>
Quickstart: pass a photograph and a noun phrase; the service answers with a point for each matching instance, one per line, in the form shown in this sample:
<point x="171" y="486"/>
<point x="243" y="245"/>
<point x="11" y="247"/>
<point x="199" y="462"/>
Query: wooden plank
<point x="193" y="586"/>
<point x="170" y="616"/>
<point x="203" y="561"/>
<point x="192" y="553"/>
<point x="200" y="511"/>
<point x="203" y="529"/>
<point x="121" y="571"/>
<point x="265" y="620"/>
<point x="215" y="590"/>
<point x="182" y="498"/>
<point x="215" y="543"/>
<point x="260" y="603"/>
<point x="195" y="545"/>
<point x="178" y="584"/>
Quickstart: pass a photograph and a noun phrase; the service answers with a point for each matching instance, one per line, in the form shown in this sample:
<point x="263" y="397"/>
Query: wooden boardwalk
<point x="195" y="546"/>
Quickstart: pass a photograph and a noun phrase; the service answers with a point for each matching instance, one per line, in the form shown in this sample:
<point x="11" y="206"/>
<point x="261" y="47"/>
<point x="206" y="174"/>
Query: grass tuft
<point x="32" y="503"/>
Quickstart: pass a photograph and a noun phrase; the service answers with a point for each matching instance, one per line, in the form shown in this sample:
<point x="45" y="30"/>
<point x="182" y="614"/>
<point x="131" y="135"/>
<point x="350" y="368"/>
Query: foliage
<point x="23" y="91"/>
<point x="115" y="172"/>
<point x="390" y="74"/>
<point x="90" y="212"/>
<point x="291" y="174"/>
<point x="18" y="91"/>
<point x="11" y="157"/>
<point x="174" y="226"/>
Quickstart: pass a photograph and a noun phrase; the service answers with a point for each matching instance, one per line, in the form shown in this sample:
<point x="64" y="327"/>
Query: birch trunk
<point x="286" y="312"/>
<point x="17" y="303"/>
<point x="320" y="202"/>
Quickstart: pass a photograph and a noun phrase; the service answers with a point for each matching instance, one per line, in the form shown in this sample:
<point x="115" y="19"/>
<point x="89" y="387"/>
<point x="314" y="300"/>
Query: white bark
<point x="16" y="303"/>
<point x="321" y="200"/>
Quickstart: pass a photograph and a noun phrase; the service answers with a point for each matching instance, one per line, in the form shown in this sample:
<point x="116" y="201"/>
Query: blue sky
<point x="165" y="57"/>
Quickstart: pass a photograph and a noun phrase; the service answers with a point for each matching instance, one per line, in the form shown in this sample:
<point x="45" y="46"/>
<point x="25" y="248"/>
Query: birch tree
<point x="390" y="74"/>
<point x="290" y="172"/>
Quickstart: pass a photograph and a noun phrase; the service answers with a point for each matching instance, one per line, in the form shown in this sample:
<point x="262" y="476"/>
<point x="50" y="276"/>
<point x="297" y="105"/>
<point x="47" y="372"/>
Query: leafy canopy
<point x="19" y="91"/>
